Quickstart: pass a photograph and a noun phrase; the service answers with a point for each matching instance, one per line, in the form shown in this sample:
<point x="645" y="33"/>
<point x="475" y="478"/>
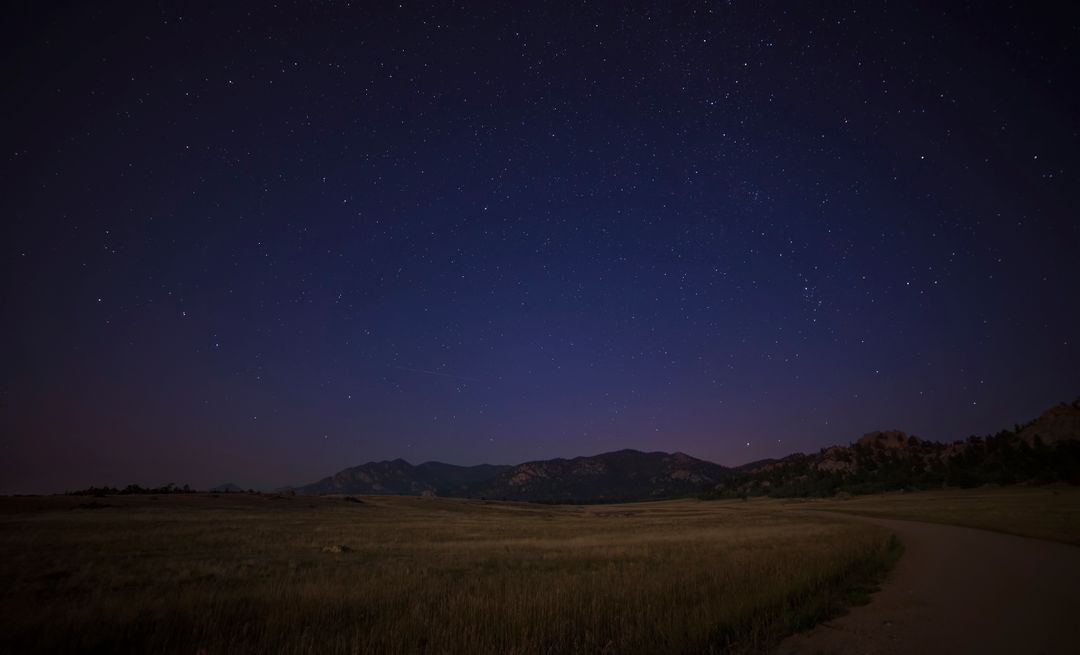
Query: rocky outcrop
<point x="1059" y="423"/>
<point x="1046" y="450"/>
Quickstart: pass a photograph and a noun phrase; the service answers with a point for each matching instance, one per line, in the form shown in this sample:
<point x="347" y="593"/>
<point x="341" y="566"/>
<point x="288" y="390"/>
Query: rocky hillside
<point x="1059" y="423"/>
<point x="1045" y="450"/>
<point x="609" y="477"/>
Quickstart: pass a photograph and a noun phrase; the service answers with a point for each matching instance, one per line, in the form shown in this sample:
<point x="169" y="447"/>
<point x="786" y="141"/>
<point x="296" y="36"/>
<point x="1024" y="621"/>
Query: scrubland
<point x="248" y="573"/>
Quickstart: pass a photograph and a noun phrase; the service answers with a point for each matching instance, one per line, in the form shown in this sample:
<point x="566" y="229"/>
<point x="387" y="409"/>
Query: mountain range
<point x="608" y="477"/>
<point x="1044" y="450"/>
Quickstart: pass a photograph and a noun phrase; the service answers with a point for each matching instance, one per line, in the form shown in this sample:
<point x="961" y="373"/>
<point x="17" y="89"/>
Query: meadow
<point x="1048" y="512"/>
<point x="237" y="573"/>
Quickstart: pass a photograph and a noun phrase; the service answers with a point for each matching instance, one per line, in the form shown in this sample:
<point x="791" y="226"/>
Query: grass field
<point x="239" y="574"/>
<point x="1051" y="512"/>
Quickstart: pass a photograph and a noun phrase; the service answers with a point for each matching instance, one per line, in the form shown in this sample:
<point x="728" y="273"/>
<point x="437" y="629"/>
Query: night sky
<point x="261" y="244"/>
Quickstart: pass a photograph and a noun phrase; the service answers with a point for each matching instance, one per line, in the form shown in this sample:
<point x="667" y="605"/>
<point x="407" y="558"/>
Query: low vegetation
<point x="240" y="573"/>
<point x="132" y="489"/>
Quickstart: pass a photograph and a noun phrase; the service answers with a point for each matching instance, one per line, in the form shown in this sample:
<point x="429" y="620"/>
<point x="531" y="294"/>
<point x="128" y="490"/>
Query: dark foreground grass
<point x="247" y="574"/>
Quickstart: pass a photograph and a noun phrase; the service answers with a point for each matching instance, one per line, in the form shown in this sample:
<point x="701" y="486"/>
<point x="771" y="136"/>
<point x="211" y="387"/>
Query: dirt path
<point x="960" y="590"/>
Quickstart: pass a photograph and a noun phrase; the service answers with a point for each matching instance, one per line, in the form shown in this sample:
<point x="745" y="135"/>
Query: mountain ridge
<point x="1043" y="450"/>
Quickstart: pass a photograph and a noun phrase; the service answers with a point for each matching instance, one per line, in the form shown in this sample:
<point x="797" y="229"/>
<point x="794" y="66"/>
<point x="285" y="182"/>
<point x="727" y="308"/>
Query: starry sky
<point x="260" y="243"/>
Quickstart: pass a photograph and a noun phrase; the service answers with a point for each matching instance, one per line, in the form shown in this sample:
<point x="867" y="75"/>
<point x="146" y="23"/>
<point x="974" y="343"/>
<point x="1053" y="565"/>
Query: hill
<point x="608" y="477"/>
<point x="620" y="475"/>
<point x="1059" y="423"/>
<point x="1044" y="450"/>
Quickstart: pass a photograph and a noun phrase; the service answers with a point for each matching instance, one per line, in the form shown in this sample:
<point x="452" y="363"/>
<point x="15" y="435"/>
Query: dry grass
<point x="1051" y="512"/>
<point x="237" y="574"/>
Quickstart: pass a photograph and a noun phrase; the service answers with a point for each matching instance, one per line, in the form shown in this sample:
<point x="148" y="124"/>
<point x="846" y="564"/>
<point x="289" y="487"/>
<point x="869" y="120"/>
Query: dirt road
<point x="960" y="590"/>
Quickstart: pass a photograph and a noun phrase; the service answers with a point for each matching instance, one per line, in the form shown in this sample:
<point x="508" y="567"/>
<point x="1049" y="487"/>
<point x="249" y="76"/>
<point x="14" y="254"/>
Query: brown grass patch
<point x="240" y="574"/>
